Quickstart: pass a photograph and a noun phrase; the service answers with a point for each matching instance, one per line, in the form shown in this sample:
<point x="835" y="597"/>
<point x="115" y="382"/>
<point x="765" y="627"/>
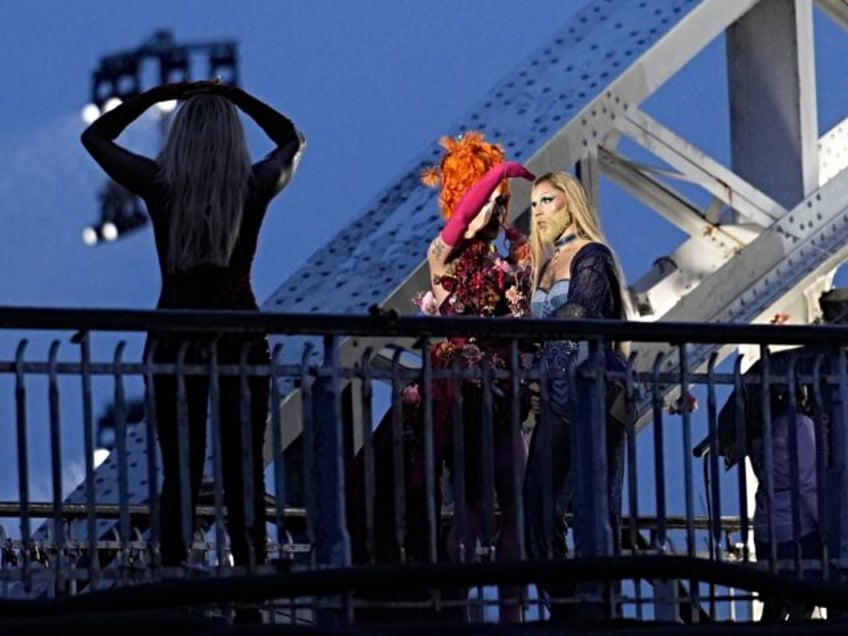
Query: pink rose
<point x="427" y="303"/>
<point x="410" y="395"/>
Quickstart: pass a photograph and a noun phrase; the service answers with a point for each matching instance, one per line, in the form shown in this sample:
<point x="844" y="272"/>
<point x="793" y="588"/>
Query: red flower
<point x="479" y="278"/>
<point x="512" y="234"/>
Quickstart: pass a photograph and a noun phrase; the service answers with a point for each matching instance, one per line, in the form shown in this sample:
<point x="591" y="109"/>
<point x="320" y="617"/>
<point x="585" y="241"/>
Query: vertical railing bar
<point x="459" y="528"/>
<point x="659" y="454"/>
<point x="152" y="468"/>
<point x="632" y="477"/>
<point x="594" y="485"/>
<point x="121" y="449"/>
<point x="56" y="465"/>
<point x="433" y="516"/>
<point x="308" y="433"/>
<point x="184" y="451"/>
<point x="398" y="469"/>
<point x="632" y="471"/>
<point x="517" y="462"/>
<point x="687" y="444"/>
<point x="249" y="513"/>
<point x="768" y="450"/>
<point x="517" y="443"/>
<point x="840" y="443"/>
<point x="369" y="477"/>
<point x="278" y="452"/>
<point x="333" y="548"/>
<point x="714" y="494"/>
<point x="487" y="478"/>
<point x="821" y="462"/>
<point x="740" y="419"/>
<point x="546" y="440"/>
<point x="429" y="456"/>
<point x="715" y="485"/>
<point x="23" y="462"/>
<point x="217" y="455"/>
<point x="488" y="466"/>
<point x="688" y="477"/>
<point x="84" y="340"/>
<point x="794" y="469"/>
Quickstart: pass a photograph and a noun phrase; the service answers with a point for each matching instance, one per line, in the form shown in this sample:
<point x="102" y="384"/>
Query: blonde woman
<point x="206" y="201"/>
<point x="575" y="275"/>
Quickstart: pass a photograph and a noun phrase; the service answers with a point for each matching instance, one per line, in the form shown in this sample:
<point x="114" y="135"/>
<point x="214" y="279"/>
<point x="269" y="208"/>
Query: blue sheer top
<point x="592" y="291"/>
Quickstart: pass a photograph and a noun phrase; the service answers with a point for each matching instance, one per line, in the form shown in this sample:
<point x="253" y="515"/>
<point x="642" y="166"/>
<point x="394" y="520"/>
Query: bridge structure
<point x="768" y="241"/>
<point x="770" y="238"/>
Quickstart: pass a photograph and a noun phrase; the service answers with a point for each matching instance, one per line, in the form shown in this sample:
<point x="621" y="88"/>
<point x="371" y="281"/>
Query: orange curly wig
<point x="466" y="159"/>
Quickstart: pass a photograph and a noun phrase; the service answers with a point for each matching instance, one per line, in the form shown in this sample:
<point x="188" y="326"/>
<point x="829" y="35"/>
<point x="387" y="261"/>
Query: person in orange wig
<point x="467" y="277"/>
<point x="465" y="280"/>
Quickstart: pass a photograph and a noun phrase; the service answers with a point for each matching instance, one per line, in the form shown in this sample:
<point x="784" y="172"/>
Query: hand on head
<point x="202" y="86"/>
<point x="473" y="202"/>
<point x="185" y="90"/>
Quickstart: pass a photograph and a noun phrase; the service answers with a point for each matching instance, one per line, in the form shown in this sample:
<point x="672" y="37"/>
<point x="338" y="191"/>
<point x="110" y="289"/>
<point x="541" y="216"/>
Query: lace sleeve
<point x="594" y="291"/>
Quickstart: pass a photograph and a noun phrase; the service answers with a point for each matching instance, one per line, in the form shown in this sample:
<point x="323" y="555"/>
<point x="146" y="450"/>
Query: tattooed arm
<point x="438" y="257"/>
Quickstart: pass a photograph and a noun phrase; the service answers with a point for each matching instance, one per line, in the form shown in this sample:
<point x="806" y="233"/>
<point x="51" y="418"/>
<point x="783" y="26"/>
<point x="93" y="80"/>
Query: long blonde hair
<point x="205" y="167"/>
<point x="587" y="223"/>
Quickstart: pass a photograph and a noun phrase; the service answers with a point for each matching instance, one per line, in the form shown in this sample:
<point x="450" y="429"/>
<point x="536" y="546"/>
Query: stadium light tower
<point x="120" y="76"/>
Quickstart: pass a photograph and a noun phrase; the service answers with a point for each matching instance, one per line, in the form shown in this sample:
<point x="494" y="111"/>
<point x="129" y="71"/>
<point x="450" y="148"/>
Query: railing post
<point x="667" y="600"/>
<point x="326" y="505"/>
<point x="837" y="486"/>
<point x="592" y="531"/>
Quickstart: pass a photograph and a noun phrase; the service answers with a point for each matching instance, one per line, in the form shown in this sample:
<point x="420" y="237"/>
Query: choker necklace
<point x="562" y="242"/>
<point x="565" y="240"/>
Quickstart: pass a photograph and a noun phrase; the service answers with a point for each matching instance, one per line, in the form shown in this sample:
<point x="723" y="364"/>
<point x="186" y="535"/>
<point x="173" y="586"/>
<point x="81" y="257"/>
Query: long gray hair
<point x="205" y="167"/>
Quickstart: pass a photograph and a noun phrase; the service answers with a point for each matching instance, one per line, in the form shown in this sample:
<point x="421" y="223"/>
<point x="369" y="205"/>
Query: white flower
<point x="427" y="304"/>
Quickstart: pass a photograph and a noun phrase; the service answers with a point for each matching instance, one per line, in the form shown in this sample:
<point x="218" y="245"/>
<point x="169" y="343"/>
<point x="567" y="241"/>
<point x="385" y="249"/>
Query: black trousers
<point x="247" y="536"/>
<point x="548" y="494"/>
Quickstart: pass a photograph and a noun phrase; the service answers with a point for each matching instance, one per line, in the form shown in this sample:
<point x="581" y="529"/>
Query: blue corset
<point x="545" y="302"/>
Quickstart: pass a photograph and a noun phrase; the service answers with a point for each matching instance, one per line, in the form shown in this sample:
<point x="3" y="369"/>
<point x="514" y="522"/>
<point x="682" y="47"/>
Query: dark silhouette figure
<point x="206" y="201"/>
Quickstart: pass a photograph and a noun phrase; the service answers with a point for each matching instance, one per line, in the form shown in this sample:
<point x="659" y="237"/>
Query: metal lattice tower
<point x="769" y="241"/>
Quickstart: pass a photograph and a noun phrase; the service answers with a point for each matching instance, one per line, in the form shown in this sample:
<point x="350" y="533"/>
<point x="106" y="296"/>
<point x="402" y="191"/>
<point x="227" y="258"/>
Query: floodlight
<point x="89" y="236"/>
<point x="109" y="231"/>
<point x="112" y="102"/>
<point x="90" y="113"/>
<point x="167" y="107"/>
<point x="118" y="78"/>
<point x="100" y="456"/>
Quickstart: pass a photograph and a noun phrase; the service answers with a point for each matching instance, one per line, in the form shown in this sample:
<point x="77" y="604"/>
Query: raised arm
<point x="276" y="169"/>
<point x="479" y="198"/>
<point x="134" y="172"/>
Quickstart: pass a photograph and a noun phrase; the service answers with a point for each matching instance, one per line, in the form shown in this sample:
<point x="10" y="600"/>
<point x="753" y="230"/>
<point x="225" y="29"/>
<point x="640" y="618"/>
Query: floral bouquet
<point x="482" y="282"/>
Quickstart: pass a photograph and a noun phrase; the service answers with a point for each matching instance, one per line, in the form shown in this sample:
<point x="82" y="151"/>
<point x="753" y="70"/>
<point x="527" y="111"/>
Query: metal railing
<point x="411" y="466"/>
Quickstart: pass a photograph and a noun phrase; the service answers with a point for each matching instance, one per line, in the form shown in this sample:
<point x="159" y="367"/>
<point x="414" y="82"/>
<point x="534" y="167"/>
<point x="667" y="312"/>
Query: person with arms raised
<point x="206" y="200"/>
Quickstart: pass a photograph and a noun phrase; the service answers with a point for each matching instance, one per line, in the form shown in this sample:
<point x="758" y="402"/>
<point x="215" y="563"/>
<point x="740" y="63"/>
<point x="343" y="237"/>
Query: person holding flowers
<point x="468" y="277"/>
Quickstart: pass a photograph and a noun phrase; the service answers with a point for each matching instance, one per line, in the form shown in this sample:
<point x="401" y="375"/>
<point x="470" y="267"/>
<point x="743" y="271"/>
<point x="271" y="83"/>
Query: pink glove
<point x="473" y="201"/>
